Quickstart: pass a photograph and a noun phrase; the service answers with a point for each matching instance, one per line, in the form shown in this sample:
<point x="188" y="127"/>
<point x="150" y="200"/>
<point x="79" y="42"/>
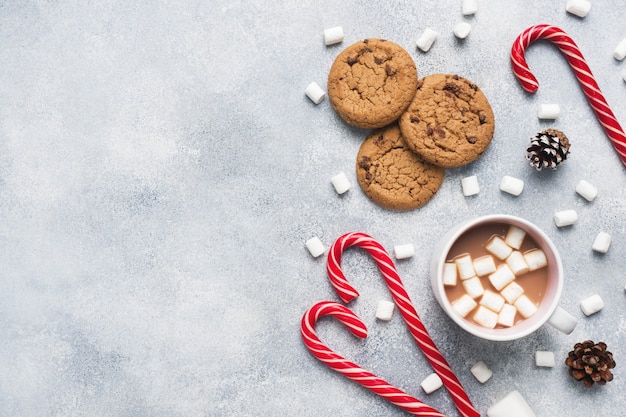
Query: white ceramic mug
<point x="548" y="309"/>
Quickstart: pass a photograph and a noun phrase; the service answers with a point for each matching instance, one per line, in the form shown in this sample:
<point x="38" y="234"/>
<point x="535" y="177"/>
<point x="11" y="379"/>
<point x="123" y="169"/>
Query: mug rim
<point x="546" y="307"/>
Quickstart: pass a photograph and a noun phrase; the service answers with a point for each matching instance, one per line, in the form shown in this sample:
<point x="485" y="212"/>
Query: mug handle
<point x="562" y="320"/>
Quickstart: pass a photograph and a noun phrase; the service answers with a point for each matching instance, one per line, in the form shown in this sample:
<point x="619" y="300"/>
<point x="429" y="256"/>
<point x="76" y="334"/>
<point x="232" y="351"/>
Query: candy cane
<point x="386" y="266"/>
<point x="576" y="60"/>
<point x="350" y="369"/>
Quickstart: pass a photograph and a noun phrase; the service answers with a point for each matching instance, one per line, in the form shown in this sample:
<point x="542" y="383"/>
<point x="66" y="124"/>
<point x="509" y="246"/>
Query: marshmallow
<point x="524" y="306"/>
<point x="341" y="183"/>
<point x="591" y="305"/>
<point x="512" y="292"/>
<point x="431" y="383"/>
<point x="498" y="248"/>
<point x="481" y="372"/>
<point x="473" y="287"/>
<point x="404" y="251"/>
<point x="565" y="218"/>
<point x="315" y="93"/>
<point x="333" y="35"/>
<point x="512" y="405"/>
<point x="465" y="266"/>
<point x="562" y="321"/>
<point x="579" y="8"/>
<point x="427" y="39"/>
<point x="469" y="7"/>
<point x="470" y="186"/>
<point x="484" y="265"/>
<point x="463" y="305"/>
<point x="485" y="317"/>
<point x="515" y="237"/>
<point x="502" y="277"/>
<point x="620" y="50"/>
<point x="544" y="359"/>
<point x="586" y="190"/>
<point x="602" y="242"/>
<point x="511" y="185"/>
<point x="536" y="259"/>
<point x="449" y="274"/>
<point x="462" y="29"/>
<point x="384" y="310"/>
<point x="549" y="111"/>
<point x="315" y="246"/>
<point x="506" y="316"/>
<point x="492" y="301"/>
<point x="517" y="263"/>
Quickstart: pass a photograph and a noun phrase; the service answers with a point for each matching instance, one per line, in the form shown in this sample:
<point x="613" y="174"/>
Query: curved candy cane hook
<point x="387" y="268"/>
<point x="349" y="369"/>
<point x="585" y="78"/>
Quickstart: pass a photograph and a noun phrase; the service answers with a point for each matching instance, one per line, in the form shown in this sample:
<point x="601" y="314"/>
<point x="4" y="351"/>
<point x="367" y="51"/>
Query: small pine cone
<point x="548" y="149"/>
<point x="590" y="362"/>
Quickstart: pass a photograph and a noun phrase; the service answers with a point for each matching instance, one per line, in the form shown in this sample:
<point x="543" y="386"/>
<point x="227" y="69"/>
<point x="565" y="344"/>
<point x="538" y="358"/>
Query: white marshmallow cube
<point x="498" y="248"/>
<point x="515" y="237"/>
<point x="591" y="305"/>
<point x="524" y="306"/>
<point x="315" y="246"/>
<point x="492" y="301"/>
<point x="469" y="7"/>
<point x="463" y="305"/>
<point x="462" y="30"/>
<point x="481" y="372"/>
<point x="620" y="50"/>
<point x="449" y="274"/>
<point x="586" y="190"/>
<point x="512" y="292"/>
<point x="602" y="242"/>
<point x="431" y="383"/>
<point x="404" y="251"/>
<point x="426" y="40"/>
<point x="565" y="218"/>
<point x="484" y="265"/>
<point x="473" y="287"/>
<point x="536" y="259"/>
<point x="579" y="8"/>
<point x="544" y="359"/>
<point x="549" y="111"/>
<point x="512" y="405"/>
<point x="470" y="185"/>
<point x="563" y="321"/>
<point x="315" y="93"/>
<point x="485" y="317"/>
<point x="502" y="277"/>
<point x="341" y="183"/>
<point x="511" y="185"/>
<point x="384" y="310"/>
<point x="333" y="35"/>
<point x="517" y="263"/>
<point x="465" y="266"/>
<point x="506" y="316"/>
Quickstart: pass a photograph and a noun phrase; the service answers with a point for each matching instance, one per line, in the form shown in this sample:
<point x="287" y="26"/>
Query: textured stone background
<point x="161" y="169"/>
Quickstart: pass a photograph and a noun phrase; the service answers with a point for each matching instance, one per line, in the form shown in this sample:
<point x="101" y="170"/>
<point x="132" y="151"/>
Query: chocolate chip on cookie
<point x="371" y="83"/>
<point x="449" y="123"/>
<point x="393" y="176"/>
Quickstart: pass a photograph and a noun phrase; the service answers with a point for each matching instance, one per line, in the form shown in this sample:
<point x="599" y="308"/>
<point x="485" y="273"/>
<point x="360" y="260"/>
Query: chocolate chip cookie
<point x="371" y="83"/>
<point x="393" y="176"/>
<point x="450" y="122"/>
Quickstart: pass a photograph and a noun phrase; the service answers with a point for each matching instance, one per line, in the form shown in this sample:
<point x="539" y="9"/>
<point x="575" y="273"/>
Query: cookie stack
<point x="421" y="126"/>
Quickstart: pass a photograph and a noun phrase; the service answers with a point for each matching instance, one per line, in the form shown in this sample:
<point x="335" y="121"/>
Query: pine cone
<point x="590" y="362"/>
<point x="548" y="149"/>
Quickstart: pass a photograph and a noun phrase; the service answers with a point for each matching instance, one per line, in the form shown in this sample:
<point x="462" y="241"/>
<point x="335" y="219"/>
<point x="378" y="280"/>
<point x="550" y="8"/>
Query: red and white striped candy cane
<point x="576" y="60"/>
<point x="387" y="268"/>
<point x="350" y="369"/>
